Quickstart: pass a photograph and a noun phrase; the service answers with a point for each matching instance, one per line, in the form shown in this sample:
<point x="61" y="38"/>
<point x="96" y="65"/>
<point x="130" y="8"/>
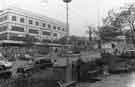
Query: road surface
<point x="123" y="80"/>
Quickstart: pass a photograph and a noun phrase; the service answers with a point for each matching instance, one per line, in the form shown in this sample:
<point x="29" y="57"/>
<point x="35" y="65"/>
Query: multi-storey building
<point x="16" y="23"/>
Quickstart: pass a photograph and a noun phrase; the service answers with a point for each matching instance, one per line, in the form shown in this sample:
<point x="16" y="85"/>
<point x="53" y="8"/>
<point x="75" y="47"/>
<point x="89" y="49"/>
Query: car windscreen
<point x="41" y="61"/>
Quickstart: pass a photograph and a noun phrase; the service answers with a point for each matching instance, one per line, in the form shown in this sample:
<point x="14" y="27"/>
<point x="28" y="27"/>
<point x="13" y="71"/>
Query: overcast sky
<point x="81" y="13"/>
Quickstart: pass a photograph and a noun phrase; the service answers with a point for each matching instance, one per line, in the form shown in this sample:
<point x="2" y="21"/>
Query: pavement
<point x="122" y="80"/>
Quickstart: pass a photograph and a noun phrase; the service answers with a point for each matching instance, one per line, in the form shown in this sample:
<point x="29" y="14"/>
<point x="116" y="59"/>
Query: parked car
<point x="43" y="63"/>
<point x="25" y="70"/>
<point x="5" y="66"/>
<point x="25" y="57"/>
<point x="128" y="54"/>
<point x="5" y="63"/>
<point x="121" y="67"/>
<point x="35" y="65"/>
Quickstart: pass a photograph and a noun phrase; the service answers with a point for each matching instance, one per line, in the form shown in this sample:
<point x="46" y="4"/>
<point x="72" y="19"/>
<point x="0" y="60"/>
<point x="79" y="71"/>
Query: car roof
<point x="42" y="58"/>
<point x="130" y="50"/>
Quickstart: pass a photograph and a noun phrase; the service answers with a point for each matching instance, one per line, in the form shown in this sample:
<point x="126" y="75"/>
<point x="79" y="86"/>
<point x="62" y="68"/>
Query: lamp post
<point x="68" y="69"/>
<point x="67" y="9"/>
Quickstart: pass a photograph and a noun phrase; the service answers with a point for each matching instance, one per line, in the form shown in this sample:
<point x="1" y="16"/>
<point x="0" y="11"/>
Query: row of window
<point x="3" y="18"/>
<point x="13" y="36"/>
<point x="32" y="31"/>
<point x="3" y="28"/>
<point x="16" y="28"/>
<point x="46" y="33"/>
<point x="3" y="36"/>
<point x="22" y="20"/>
<point x="16" y="37"/>
<point x="21" y="29"/>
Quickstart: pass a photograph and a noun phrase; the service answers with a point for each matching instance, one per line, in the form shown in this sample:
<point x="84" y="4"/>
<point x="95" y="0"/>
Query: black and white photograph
<point x="67" y="43"/>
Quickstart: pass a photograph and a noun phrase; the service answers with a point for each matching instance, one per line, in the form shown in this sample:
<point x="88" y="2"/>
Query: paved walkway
<point x="123" y="80"/>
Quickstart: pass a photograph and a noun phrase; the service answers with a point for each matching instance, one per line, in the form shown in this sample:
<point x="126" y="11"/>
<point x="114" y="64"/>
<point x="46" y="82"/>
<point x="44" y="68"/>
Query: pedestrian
<point x="105" y="70"/>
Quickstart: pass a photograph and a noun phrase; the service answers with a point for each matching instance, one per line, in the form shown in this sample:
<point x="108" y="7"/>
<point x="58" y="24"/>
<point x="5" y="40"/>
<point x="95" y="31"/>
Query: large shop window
<point x="16" y="28"/>
<point x="33" y="31"/>
<point x="15" y="37"/>
<point x="46" y="33"/>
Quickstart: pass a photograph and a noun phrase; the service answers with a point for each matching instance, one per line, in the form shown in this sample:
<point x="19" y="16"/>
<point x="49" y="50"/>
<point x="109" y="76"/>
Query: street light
<point x="68" y="73"/>
<point x="67" y="8"/>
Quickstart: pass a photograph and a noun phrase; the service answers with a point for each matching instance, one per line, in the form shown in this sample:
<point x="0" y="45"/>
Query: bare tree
<point x="92" y="32"/>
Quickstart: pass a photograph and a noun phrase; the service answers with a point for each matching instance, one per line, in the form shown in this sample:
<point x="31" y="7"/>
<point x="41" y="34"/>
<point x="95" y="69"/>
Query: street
<point x="122" y="80"/>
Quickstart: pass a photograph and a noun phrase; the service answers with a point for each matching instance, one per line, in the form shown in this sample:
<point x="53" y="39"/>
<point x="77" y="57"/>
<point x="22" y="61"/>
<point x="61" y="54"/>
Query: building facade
<point x="16" y="23"/>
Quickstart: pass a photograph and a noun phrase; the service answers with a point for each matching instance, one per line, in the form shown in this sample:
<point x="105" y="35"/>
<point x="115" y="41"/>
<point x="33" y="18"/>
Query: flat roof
<point x="34" y="14"/>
